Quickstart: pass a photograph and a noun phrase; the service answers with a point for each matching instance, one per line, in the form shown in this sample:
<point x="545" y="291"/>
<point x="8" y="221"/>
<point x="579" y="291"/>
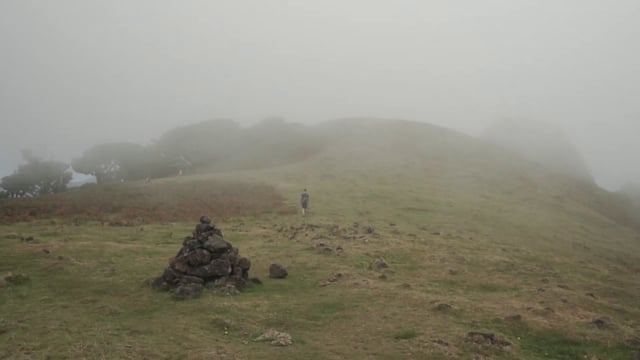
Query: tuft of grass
<point x="406" y="334"/>
<point x="554" y="345"/>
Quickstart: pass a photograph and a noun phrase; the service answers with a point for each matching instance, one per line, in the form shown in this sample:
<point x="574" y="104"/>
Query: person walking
<point x="304" y="201"/>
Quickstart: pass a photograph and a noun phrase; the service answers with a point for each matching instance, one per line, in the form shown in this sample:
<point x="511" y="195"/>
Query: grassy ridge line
<point x="140" y="202"/>
<point x="491" y="240"/>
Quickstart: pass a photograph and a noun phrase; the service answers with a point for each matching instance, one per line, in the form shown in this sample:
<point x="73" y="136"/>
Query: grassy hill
<point x="476" y="239"/>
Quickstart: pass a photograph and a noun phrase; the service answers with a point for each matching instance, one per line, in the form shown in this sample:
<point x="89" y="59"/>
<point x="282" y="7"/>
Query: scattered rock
<point x="187" y="279"/>
<point x="382" y="277"/>
<point x="277" y="338"/>
<point x="16" y="279"/>
<point x="602" y="323"/>
<point x="334" y="278"/>
<point x="590" y="295"/>
<point x="490" y="339"/>
<point x="378" y="265"/>
<point x="229" y="290"/>
<point x="442" y="307"/>
<point x="441" y="342"/>
<point x="277" y="271"/>
<point x="256" y="280"/>
<point x="562" y="286"/>
<point x="368" y="230"/>
<point x="28" y="239"/>
<point x="189" y="290"/>
<point x="453" y="272"/>
<point x="46" y="251"/>
<point x="544" y="280"/>
<point x="205" y="259"/>
<point x="327" y="249"/>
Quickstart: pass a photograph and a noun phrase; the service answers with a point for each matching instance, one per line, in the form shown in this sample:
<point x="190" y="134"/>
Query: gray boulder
<point x="277" y="271"/>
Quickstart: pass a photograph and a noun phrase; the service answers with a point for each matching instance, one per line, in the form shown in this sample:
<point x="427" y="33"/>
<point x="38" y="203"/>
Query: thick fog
<point x="77" y="73"/>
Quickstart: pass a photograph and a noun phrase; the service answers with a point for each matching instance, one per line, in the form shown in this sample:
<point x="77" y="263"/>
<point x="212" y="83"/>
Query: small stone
<point x="230" y="290"/>
<point x="277" y="338"/>
<point x="441" y="342"/>
<point x="187" y="279"/>
<point x="277" y="271"/>
<point x="189" y="290"/>
<point x="378" y="265"/>
<point x="601" y="323"/>
<point x="488" y="339"/>
<point x="443" y="307"/>
<point x="244" y="263"/>
<point x="217" y="245"/>
<point x="198" y="257"/>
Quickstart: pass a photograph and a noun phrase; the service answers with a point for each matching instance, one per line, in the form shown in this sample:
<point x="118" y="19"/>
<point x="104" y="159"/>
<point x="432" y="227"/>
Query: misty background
<point x="79" y="73"/>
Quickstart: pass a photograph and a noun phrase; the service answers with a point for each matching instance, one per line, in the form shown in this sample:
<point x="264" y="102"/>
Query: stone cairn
<point x="205" y="259"/>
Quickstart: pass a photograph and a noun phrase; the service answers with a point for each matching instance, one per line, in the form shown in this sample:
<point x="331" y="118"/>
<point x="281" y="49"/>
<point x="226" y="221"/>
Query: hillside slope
<point x="475" y="239"/>
<point x="542" y="143"/>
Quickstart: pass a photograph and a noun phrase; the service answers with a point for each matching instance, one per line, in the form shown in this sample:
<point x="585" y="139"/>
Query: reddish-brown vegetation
<point x="128" y="204"/>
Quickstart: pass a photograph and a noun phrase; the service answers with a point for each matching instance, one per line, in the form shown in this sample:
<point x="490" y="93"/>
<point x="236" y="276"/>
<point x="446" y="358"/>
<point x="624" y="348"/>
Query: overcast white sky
<point x="79" y="72"/>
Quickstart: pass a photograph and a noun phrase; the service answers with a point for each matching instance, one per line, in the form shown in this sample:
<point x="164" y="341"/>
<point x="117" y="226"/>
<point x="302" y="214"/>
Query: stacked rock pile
<point x="205" y="259"/>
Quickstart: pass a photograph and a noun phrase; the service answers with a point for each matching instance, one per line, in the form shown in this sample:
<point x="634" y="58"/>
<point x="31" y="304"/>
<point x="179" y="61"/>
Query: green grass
<point x="405" y="335"/>
<point x="457" y="238"/>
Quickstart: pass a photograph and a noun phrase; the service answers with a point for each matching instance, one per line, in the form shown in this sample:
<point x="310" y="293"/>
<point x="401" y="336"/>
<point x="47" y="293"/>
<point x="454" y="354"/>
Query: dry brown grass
<point x="139" y="202"/>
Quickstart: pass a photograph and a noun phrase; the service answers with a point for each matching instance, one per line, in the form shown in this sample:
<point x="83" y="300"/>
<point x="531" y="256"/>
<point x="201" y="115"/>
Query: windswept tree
<point x="224" y="145"/>
<point x="37" y="177"/>
<point x="114" y="162"/>
<point x="196" y="145"/>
